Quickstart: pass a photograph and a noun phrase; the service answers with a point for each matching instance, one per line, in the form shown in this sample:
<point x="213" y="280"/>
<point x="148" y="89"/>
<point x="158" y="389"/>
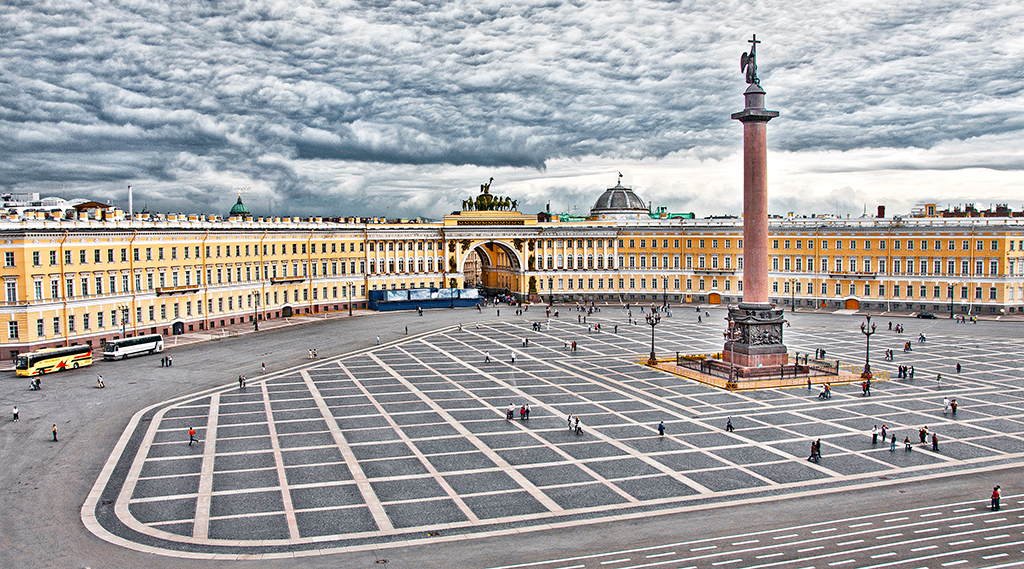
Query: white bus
<point x="121" y="349"/>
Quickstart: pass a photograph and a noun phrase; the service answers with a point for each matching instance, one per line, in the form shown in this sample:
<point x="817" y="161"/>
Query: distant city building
<point x="90" y="276"/>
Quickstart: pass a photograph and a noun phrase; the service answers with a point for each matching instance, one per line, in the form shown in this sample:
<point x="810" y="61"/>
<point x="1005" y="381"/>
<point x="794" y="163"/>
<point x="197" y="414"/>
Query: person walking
<point x="938" y="380"/>
<point x="995" y="498"/>
<point x="263" y="366"/>
<point x="579" y="429"/>
<point x="241" y="382"/>
<point x="661" y="429"/>
<point x="510" y="412"/>
<point x="513" y="357"/>
<point x="522" y="413"/>
<point x="922" y="433"/>
<point x="191" y="436"/>
<point x="945" y="405"/>
<point x="883" y="431"/>
<point x="14" y="417"/>
<point x="54" y="429"/>
<point x="874" y="435"/>
<point x="527" y="411"/>
<point x="378" y="339"/>
<point x="953" y="406"/>
<point x="935" y="442"/>
<point x="569" y="421"/>
<point x="487" y="357"/>
<point x="906" y="443"/>
<point x="728" y="426"/>
<point x="170" y="362"/>
<point x="99" y="382"/>
<point x="958" y="367"/>
<point x="892" y="447"/>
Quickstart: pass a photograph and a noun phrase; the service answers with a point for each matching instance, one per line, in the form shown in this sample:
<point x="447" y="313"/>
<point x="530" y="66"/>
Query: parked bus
<point x="49" y="360"/>
<point x="121" y="349"/>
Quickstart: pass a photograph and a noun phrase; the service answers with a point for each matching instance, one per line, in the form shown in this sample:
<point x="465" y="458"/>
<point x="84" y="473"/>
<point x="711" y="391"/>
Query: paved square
<point x="409" y="440"/>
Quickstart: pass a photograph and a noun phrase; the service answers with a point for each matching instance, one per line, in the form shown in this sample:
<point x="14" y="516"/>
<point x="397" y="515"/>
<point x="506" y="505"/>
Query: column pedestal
<point x="755" y="337"/>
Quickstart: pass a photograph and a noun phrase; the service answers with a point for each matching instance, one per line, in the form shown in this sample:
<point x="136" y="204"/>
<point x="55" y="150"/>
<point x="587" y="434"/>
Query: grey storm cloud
<point x="184" y="97"/>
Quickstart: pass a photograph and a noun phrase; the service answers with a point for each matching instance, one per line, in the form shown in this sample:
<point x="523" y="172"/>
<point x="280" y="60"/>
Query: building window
<point x="992" y="290"/>
<point x="12" y="329"/>
<point x="9" y="259"/>
<point x="12" y="291"/>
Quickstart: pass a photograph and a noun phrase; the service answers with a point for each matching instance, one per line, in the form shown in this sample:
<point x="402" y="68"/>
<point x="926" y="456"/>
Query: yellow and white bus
<point x="49" y="360"/>
<point x="124" y="347"/>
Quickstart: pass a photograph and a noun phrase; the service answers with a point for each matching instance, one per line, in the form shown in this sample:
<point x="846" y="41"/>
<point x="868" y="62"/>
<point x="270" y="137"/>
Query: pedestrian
<point x="945" y="405"/>
<point x="995" y="498"/>
<point x="191" y="436"/>
<point x="884" y="429"/>
<point x="510" y="412"/>
<point x="958" y="367"/>
<point x="513" y="358"/>
<point x="864" y="388"/>
<point x="315" y="355"/>
<point x="569" y="421"/>
<point x="15" y="415"/>
<point x="406" y="330"/>
<point x="911" y="372"/>
<point x="952" y="406"/>
<point x="922" y="433"/>
<point x="935" y="442"/>
<point x="263" y="366"/>
<point x="378" y="340"/>
<point x="527" y="411"/>
<point x="892" y="447"/>
<point x="241" y="383"/>
<point x="874" y="435"/>
<point x="661" y="429"/>
<point x="616" y="328"/>
<point x="728" y="426"/>
<point x="574" y="345"/>
<point x="938" y="379"/>
<point x="906" y="442"/>
<point x="99" y="381"/>
<point x="522" y="413"/>
<point x="310" y="354"/>
<point x="54" y="428"/>
<point x="579" y="429"/>
<point x="487" y="357"/>
<point x="169" y="361"/>
<point x="163" y="361"/>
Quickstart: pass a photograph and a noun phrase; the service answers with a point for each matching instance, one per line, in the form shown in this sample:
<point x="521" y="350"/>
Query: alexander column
<point x="755" y="334"/>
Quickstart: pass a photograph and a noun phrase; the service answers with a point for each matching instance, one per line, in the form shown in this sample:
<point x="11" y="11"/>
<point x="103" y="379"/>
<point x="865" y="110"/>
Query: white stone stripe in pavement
<point x="282" y="477"/>
<point x="555" y="448"/>
<point x="431" y="470"/>
<point x="201" y="524"/>
<point x="521" y="480"/>
<point x="370" y="498"/>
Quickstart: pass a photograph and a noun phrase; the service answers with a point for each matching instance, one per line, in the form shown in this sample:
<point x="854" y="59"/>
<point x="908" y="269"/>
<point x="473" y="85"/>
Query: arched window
<point x="419" y="265"/>
<point x="579" y="261"/>
<point x="391" y="265"/>
<point x="600" y="262"/>
<point x="401" y="264"/>
<point x="560" y="263"/>
<point x="551" y="262"/>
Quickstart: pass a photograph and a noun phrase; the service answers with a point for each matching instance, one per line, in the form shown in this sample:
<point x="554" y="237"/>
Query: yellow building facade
<point x="90" y="280"/>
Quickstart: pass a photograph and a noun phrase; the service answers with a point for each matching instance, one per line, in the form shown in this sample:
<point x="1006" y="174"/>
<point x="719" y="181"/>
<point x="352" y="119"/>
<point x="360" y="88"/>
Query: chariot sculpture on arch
<point x="488" y="202"/>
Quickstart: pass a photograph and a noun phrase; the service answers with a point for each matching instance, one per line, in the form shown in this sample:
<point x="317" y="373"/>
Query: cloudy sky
<point x="404" y="108"/>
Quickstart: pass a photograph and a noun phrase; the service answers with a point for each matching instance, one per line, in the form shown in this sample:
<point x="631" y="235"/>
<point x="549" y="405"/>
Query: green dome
<point x="239" y="209"/>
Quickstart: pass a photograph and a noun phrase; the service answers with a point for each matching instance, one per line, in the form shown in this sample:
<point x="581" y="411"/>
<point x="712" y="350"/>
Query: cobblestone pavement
<point x="408" y="441"/>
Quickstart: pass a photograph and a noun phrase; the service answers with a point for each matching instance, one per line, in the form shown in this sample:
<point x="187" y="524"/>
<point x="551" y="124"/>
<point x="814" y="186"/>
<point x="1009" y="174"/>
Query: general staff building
<point x="101" y="275"/>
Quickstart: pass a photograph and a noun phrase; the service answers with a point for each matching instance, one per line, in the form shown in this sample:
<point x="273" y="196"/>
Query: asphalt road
<point x="44" y="483"/>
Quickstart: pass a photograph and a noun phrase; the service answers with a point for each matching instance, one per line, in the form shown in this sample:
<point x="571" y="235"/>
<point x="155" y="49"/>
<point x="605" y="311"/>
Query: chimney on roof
<point x="881" y="211"/>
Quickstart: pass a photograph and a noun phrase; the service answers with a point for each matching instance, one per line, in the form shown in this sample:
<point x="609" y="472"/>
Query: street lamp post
<point x="652" y="321"/>
<point x="867" y="329"/>
<point x="351" y="293"/>
<point x="664" y="291"/>
<point x="950" y="287"/>
<point x="256" y="312"/>
<point x="792" y="295"/>
<point x="123" y="308"/>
